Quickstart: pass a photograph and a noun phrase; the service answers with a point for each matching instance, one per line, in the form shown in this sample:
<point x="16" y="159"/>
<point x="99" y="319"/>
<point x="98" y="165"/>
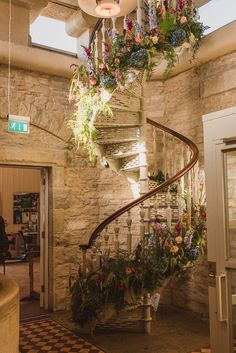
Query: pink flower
<point x="138" y="40"/>
<point x="118" y="74"/>
<point x="179" y="227"/>
<point x="179" y="239"/>
<point x="93" y="81"/>
<point x="87" y="52"/>
<point x="157" y="226"/>
<point x="174" y="249"/>
<point x="183" y="20"/>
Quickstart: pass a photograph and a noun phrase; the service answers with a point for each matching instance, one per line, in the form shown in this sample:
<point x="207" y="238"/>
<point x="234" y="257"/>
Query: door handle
<point x="221" y="297"/>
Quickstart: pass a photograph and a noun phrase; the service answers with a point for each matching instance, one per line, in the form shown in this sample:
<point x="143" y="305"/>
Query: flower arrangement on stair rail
<point x="159" y="256"/>
<point x="170" y="26"/>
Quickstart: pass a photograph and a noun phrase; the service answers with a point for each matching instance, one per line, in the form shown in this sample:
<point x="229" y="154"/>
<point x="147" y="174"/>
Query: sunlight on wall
<point x="51" y="32"/>
<point x="218" y="13"/>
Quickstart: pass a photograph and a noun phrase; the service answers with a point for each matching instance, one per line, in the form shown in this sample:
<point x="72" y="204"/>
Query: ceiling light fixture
<point x="107" y="8"/>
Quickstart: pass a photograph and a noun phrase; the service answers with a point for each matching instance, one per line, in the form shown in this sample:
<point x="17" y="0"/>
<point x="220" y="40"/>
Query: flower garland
<point x="125" y="55"/>
<point x="157" y="258"/>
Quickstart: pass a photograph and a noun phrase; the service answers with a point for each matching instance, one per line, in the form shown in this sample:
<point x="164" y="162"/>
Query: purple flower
<point x="152" y="17"/>
<point x="155" y="299"/>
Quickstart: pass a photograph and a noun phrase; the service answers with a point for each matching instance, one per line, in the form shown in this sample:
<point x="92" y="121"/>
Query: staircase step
<point x="126" y="169"/>
<point x="122" y="148"/>
<point x="115" y="125"/>
<point x="119" y="117"/>
<point x="122" y="155"/>
<point x="130" y="163"/>
<point x="119" y="133"/>
<point x="114" y="141"/>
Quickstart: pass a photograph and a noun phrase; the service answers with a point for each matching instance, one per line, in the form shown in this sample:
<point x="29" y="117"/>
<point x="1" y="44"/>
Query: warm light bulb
<point x="107" y="8"/>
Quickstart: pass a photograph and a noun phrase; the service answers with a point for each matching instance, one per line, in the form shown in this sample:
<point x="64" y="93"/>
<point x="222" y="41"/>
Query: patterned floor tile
<point x="47" y="336"/>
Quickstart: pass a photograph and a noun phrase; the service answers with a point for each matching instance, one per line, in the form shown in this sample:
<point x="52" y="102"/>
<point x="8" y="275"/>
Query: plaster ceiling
<point x="63" y="9"/>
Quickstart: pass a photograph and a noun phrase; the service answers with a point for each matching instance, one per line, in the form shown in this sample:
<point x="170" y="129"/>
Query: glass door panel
<point x="230" y="198"/>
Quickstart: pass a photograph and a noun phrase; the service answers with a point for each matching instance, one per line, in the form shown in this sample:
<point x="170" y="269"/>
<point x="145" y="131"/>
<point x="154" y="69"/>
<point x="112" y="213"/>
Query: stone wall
<point x="80" y="195"/>
<point x="180" y="103"/>
<point x="73" y="182"/>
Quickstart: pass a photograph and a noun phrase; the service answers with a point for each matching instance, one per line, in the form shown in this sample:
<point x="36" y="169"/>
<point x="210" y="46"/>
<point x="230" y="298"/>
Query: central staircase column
<point x="143" y="182"/>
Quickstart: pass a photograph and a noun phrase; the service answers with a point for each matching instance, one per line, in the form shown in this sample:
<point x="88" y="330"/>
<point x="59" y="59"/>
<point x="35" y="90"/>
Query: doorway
<point x="220" y="165"/>
<point x="24" y="207"/>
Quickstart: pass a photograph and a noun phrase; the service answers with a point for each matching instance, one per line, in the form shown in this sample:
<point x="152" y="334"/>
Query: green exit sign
<point x="18" y="124"/>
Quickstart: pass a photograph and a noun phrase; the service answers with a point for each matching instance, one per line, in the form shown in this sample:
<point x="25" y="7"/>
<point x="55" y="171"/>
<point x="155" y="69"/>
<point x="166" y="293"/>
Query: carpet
<point x="47" y="336"/>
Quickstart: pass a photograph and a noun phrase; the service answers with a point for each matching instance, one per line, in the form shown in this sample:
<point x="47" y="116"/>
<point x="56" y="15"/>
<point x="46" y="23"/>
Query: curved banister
<point x="167" y="183"/>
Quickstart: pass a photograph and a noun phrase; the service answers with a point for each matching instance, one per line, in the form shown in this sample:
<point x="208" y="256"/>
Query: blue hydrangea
<point x="194" y="253"/>
<point x="139" y="59"/>
<point x="108" y="83"/>
<point x="178" y="37"/>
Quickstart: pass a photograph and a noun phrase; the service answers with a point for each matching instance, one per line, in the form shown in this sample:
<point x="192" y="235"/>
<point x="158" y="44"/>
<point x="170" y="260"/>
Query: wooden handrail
<point x="167" y="183"/>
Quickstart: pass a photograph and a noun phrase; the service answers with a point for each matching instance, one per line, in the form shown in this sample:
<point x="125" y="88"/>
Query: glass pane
<point x="230" y="181"/>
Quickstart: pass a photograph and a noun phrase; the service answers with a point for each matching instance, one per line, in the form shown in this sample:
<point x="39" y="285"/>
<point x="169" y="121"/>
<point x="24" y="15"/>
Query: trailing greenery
<point x="125" y="56"/>
<point x="161" y="254"/>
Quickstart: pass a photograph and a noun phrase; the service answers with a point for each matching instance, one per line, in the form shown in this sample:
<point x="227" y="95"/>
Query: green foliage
<point x="167" y="24"/>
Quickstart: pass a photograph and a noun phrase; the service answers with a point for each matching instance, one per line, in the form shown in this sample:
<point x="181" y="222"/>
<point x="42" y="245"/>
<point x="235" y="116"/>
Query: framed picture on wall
<point x="25" y="208"/>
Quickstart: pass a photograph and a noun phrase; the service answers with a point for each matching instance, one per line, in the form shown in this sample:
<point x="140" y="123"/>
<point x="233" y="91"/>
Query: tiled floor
<point x="173" y="331"/>
<point x="47" y="336"/>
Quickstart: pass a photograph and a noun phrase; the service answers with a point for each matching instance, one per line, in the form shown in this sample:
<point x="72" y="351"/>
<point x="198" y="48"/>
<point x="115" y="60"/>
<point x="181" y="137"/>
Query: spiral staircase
<point x="122" y="144"/>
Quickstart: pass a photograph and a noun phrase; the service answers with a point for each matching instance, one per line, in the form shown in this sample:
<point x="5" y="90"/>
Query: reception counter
<point x="9" y="315"/>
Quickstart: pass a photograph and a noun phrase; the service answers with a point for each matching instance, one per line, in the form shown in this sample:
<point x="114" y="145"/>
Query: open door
<point x="220" y="165"/>
<point x="44" y="261"/>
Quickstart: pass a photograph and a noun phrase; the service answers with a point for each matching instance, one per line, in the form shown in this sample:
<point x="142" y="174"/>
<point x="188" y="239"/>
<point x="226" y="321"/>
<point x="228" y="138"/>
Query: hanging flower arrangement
<point x="170" y="24"/>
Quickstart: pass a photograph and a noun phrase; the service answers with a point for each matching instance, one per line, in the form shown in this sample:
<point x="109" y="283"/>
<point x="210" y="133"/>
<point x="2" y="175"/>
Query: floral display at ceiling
<point x="121" y="279"/>
<point x="168" y="26"/>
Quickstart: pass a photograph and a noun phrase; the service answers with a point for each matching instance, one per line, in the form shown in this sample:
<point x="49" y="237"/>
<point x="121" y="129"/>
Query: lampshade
<point x="92" y="6"/>
<point x="107" y="8"/>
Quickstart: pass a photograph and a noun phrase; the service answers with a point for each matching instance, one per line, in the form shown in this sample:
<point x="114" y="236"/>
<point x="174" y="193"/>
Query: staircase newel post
<point x="142" y="225"/>
<point x="155" y="164"/>
<point x="99" y="252"/>
<point x="129" y="234"/>
<point x="147" y="313"/>
<point x="168" y="209"/>
<point x="117" y="243"/>
<point x="94" y="258"/>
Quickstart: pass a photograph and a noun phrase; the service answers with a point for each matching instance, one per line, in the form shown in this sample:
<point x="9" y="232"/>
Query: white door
<point x="220" y="166"/>
<point x="44" y="280"/>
